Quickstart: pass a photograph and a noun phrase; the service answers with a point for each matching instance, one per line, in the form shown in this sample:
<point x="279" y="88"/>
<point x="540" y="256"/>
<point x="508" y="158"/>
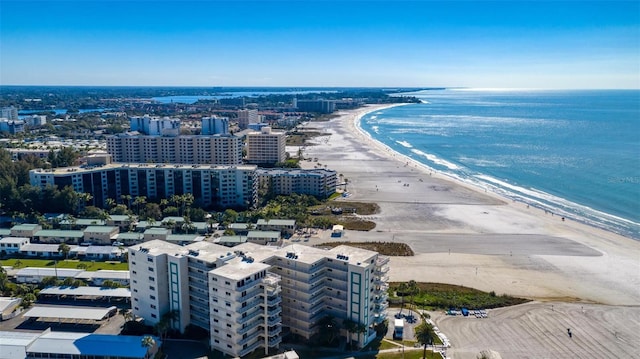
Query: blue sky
<point x="510" y="44"/>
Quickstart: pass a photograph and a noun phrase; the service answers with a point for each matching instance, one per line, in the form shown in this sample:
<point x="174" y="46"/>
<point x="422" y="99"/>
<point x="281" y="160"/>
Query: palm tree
<point x="330" y="328"/>
<point x="64" y="249"/>
<point x="110" y="202"/>
<point x="140" y="200"/>
<point x="148" y="342"/>
<point x="350" y="326"/>
<point x="424" y="335"/>
<point x="127" y="198"/>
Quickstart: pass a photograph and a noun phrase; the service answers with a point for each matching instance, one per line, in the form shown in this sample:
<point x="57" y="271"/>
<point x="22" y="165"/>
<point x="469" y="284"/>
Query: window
<point x="153" y="306"/>
<point x="150" y="269"/>
<point x="153" y="297"/>
<point x="152" y="287"/>
<point x="153" y="316"/>
<point x="150" y="259"/>
<point x="152" y="279"/>
<point x="227" y="283"/>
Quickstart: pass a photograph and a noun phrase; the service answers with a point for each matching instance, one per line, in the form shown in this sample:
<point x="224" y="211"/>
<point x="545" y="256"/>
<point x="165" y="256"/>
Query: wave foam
<point x="436" y="160"/>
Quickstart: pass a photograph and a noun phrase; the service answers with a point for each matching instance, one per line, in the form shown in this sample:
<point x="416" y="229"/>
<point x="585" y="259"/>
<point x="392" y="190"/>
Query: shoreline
<point x="489" y="189"/>
<point x="465" y="236"/>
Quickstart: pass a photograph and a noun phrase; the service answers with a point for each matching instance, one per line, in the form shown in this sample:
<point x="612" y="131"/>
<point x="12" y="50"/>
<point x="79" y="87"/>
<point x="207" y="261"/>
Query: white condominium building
<point x="266" y="147"/>
<point x="211" y="186"/>
<point x="207" y="285"/>
<point x="344" y="282"/>
<point x="188" y="149"/>
<point x="155" y="126"/>
<point x="320" y="183"/>
<point x="248" y="296"/>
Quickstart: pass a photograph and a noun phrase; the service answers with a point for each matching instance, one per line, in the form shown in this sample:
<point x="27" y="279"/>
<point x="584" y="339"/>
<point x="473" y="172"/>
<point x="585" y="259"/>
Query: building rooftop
<point x="157" y="230"/>
<point x="15" y="339"/>
<point x="13" y="239"/>
<point x="104" y="274"/>
<point x="89" y="344"/>
<point x="25" y="227"/>
<point x="119" y="217"/>
<point x="209" y="252"/>
<point x="71" y="170"/>
<point x="59" y="233"/>
<point x="101" y="229"/>
<point x="239" y="268"/>
<point x="5" y="232"/>
<point x="88" y="291"/>
<point x="83" y="222"/>
<point x="277" y="222"/>
<point x="184" y="238"/>
<point x="156" y="247"/>
<point x="38" y="247"/>
<point x="263" y="234"/>
<point x="129" y="235"/>
<point x="48" y="272"/>
<point x="6" y="302"/>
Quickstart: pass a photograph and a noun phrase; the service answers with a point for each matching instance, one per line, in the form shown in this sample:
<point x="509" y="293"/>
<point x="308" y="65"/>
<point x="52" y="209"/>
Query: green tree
<point x="424" y="335"/>
<point x="64" y="249"/>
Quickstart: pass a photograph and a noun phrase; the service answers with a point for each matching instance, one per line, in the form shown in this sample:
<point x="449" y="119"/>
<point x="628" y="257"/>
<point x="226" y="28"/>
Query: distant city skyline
<point x="499" y="44"/>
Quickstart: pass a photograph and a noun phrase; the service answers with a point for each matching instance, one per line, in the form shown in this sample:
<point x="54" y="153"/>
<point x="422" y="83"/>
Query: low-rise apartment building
<point x="320" y="183"/>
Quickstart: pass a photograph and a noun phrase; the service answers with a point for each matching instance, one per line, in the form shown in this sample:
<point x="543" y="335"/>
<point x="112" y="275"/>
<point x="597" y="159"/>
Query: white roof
<point x="105" y="274"/>
<point x="101" y="345"/>
<point x="6" y="302"/>
<point x="88" y="291"/>
<point x="13" y="239"/>
<point x="49" y="272"/>
<point x="68" y="313"/>
<point x="15" y="339"/>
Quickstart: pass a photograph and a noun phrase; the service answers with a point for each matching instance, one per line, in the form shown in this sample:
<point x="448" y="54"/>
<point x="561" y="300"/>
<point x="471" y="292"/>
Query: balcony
<point x="274" y="301"/>
<point x="275" y="341"/>
<point x="381" y="279"/>
<point x="381" y="270"/>
<point x="251" y="305"/>
<point x="250" y="338"/>
<point x="250" y="348"/>
<point x="241" y="320"/>
<point x="382" y="260"/>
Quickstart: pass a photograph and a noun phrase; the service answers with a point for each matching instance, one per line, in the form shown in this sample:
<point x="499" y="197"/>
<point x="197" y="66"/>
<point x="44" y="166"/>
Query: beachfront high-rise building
<point x="227" y="293"/>
<point x="211" y="185"/>
<point x="236" y="293"/>
<point x="321" y="106"/>
<point x="155" y="126"/>
<point x="246" y="117"/>
<point x="215" y="125"/>
<point x="186" y="149"/>
<point x="266" y="147"/>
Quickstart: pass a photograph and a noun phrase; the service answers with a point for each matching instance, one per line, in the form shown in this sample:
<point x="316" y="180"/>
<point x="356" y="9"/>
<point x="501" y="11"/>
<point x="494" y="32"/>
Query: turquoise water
<point x="574" y="153"/>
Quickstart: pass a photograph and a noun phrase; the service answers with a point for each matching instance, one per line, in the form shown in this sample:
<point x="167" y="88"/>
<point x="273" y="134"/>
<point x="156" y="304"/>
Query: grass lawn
<point x="68" y="263"/>
<point x="384" y="248"/>
<point x="445" y="296"/>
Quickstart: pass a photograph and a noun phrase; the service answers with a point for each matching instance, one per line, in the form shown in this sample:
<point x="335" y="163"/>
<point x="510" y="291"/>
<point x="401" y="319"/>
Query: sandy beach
<point x="467" y="236"/>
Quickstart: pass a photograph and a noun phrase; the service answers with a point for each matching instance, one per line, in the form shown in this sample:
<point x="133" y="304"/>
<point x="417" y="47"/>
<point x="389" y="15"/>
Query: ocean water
<point x="574" y="153"/>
